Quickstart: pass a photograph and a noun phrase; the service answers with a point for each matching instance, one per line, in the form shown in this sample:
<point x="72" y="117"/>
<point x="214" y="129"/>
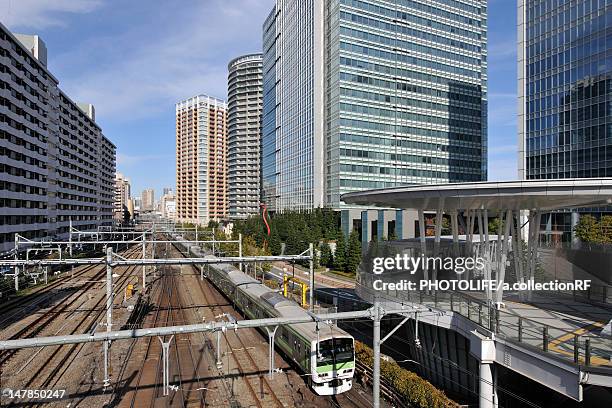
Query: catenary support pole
<point x="311" y="277"/>
<point x="240" y="249"/>
<point x="376" y="346"/>
<point x="219" y="362"/>
<point x="271" y="334"/>
<point x="109" y="312"/>
<point x="166" y="364"/>
<point x="144" y="255"/>
<point x="70" y="236"/>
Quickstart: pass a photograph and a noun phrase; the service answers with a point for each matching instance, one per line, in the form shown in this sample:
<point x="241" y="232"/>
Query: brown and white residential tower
<point x="201" y="160"/>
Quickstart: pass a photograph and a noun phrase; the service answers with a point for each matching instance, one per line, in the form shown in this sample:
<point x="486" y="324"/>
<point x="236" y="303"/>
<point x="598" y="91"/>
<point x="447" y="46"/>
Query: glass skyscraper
<point x="400" y="99"/>
<point x="268" y="116"/>
<point x="565" y="95"/>
<point x="565" y="88"/>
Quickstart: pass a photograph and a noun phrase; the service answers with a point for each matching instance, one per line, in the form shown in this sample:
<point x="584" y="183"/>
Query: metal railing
<point x="574" y="346"/>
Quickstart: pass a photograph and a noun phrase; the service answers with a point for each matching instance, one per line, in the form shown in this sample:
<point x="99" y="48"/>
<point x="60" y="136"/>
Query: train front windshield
<point x="335" y="351"/>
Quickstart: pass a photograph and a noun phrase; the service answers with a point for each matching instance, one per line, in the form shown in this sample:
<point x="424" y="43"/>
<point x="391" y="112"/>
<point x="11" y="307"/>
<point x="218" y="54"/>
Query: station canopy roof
<point x="499" y="195"/>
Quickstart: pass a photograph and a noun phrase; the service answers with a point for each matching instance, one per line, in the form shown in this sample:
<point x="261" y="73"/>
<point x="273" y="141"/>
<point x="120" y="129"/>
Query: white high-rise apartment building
<point x="56" y="166"/>
<point x="244" y="135"/>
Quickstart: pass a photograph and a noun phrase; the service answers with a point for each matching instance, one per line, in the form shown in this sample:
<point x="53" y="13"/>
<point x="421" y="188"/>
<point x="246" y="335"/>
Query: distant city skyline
<point x="99" y="53"/>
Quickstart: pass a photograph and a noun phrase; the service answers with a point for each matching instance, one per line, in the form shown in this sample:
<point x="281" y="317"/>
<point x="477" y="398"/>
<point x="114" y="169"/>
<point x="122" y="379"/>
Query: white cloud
<point x="37" y="14"/>
<point x="143" y="72"/>
<point x="504" y="49"/>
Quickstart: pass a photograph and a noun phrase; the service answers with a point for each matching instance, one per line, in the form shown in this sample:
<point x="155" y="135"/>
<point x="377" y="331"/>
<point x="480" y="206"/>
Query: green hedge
<point x="410" y="387"/>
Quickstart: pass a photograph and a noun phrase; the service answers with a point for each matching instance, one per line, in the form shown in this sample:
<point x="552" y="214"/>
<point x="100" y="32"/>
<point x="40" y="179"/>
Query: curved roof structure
<point x="499" y="195"/>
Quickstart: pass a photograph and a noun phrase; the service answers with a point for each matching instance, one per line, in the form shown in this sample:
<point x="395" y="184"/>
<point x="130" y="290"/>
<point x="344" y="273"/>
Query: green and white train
<point x="325" y="355"/>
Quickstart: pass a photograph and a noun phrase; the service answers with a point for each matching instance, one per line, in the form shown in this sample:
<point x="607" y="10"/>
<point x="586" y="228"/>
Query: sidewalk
<point x="321" y="278"/>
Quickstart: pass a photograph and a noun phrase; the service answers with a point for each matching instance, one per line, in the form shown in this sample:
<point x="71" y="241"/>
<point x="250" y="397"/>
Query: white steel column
<point x="422" y="239"/>
<point x="501" y="272"/>
<point x="486" y="394"/>
<point x="517" y="249"/>
<point x="455" y="231"/>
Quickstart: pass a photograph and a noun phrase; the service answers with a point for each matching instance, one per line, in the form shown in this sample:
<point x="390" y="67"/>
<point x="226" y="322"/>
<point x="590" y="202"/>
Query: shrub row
<point x="410" y="387"/>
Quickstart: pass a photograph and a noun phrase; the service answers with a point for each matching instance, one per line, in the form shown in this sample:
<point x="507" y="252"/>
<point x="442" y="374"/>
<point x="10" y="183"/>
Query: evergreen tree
<point x="494" y="226"/>
<point x="446" y="229"/>
<point x="588" y="229"/>
<point x="326" y="255"/>
<point x="275" y="243"/>
<point x="340" y="253"/>
<point x="605" y="225"/>
<point x="353" y="256"/>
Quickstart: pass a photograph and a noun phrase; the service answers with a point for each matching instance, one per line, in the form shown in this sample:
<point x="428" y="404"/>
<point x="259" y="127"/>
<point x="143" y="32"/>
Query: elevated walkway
<point x="555" y="341"/>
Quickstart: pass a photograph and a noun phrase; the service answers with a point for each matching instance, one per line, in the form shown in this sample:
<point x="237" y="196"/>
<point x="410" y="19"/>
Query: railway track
<point x="241" y="353"/>
<point x="46" y="318"/>
<point x="145" y="388"/>
<point x="80" y="315"/>
<point x="38" y="297"/>
<point x="144" y="384"/>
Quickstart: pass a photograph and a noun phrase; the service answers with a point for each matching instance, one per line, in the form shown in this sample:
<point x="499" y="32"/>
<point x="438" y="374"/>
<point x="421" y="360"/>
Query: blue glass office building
<point x="268" y="117"/>
<point x="565" y="94"/>
<point x="379" y="94"/>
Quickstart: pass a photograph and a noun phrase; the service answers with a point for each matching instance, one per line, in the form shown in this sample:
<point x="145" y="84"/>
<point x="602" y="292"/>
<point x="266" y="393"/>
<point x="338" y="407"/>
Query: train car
<point x="324" y="353"/>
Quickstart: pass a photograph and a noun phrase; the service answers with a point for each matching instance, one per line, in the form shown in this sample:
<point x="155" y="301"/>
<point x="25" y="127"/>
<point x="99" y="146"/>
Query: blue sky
<point x="134" y="59"/>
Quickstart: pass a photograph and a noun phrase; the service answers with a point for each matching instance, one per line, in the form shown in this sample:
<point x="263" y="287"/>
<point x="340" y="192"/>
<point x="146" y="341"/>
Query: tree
<point x="494" y="226"/>
<point x="446" y="229"/>
<point x="353" y="258"/>
<point x="326" y="255"/>
<point x="588" y="229"/>
<point x="605" y="226"/>
<point x="275" y="243"/>
<point x="340" y="253"/>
